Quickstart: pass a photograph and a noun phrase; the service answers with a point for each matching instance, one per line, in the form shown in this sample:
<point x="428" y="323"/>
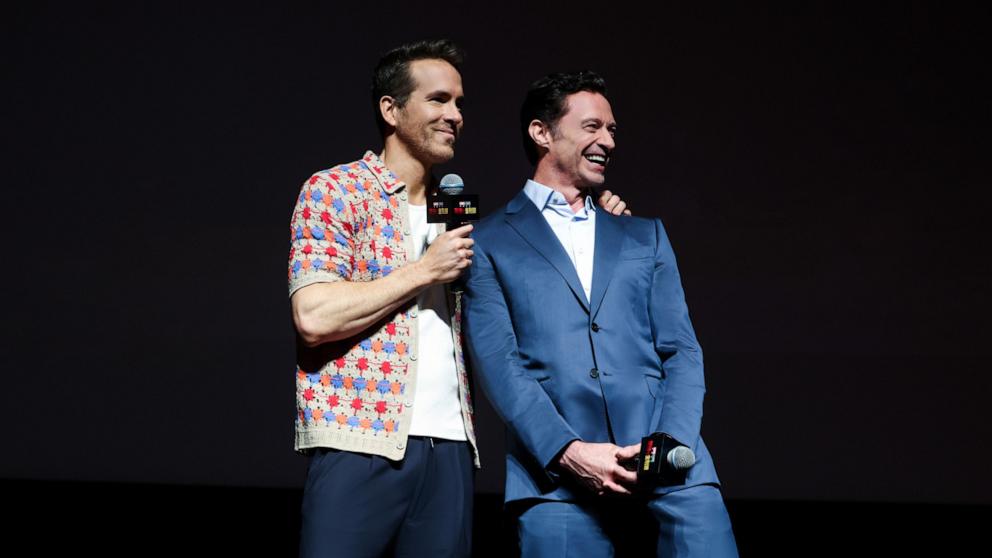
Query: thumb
<point x="629" y="452"/>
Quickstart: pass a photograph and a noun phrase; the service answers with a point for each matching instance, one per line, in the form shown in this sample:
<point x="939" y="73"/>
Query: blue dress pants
<point x="358" y="505"/>
<point x="692" y="522"/>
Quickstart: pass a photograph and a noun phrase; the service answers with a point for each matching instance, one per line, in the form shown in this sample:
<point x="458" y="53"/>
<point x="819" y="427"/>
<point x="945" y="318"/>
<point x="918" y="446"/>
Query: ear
<point x="388" y="108"/>
<point x="540" y="133"/>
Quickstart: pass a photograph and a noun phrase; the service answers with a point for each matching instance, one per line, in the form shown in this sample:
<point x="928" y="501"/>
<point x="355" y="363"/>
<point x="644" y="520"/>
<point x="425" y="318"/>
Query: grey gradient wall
<point x="822" y="172"/>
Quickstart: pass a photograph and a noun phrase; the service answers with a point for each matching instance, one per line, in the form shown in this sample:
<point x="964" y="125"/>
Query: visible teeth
<point x="597" y="159"/>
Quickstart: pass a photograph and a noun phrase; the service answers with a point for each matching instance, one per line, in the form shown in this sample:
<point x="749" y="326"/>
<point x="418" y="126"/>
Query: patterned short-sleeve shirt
<point x="350" y="223"/>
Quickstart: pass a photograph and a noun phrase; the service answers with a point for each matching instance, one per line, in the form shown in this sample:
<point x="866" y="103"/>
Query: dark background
<point x="821" y="169"/>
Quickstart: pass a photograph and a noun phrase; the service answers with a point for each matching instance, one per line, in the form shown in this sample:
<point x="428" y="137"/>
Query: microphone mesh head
<point x="452" y="184"/>
<point x="681" y="458"/>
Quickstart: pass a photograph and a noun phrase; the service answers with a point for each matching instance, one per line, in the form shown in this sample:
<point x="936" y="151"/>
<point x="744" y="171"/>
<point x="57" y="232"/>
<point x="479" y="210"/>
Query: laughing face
<point x="582" y="140"/>
<point x="431" y="119"/>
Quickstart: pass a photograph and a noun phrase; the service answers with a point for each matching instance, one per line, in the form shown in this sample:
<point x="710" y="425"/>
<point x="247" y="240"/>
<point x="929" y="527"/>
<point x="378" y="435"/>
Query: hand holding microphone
<point x="662" y="461"/>
<point x="448" y="255"/>
<point x="451" y="252"/>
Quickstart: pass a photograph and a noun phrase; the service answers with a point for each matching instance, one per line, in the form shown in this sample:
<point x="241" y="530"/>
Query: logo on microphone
<point x="450" y="205"/>
<point x="650" y="455"/>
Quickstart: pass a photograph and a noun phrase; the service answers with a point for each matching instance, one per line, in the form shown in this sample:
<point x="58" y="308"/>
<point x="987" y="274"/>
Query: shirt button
<point x="406" y="232"/>
<point x="408" y="404"/>
<point x="413" y="357"/>
<point x="400" y="445"/>
<point x="413" y="313"/>
<point x="594" y="373"/>
<point x="595" y="326"/>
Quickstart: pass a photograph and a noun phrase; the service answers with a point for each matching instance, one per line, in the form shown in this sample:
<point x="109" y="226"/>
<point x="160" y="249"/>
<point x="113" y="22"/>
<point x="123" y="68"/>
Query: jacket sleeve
<point x="515" y="394"/>
<point x="676" y="344"/>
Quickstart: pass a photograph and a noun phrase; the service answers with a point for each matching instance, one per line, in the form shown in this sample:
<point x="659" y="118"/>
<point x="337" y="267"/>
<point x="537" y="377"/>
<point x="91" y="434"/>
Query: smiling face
<point x="429" y="122"/>
<point x="581" y="141"/>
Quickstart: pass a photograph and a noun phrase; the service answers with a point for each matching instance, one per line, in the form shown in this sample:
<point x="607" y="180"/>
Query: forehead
<point x="586" y="104"/>
<point x="435" y="75"/>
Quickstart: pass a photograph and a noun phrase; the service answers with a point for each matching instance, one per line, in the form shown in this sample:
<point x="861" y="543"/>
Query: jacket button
<point x="594" y="373"/>
<point x="595" y="326"/>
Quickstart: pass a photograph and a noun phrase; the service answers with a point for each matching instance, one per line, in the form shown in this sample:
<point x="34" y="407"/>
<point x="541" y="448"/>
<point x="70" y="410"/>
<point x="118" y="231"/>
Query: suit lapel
<point x="609" y="238"/>
<point x="523" y="216"/>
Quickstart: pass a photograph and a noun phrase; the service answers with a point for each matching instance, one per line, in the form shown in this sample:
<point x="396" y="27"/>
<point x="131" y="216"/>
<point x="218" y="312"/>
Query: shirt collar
<point x="548" y="198"/>
<point x="387" y="180"/>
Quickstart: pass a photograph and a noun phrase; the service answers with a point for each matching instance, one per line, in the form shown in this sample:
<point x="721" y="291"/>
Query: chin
<point x="595" y="180"/>
<point x="443" y="154"/>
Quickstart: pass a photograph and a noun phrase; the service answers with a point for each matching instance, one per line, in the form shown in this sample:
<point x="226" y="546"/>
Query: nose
<point x="606" y="140"/>
<point x="453" y="114"/>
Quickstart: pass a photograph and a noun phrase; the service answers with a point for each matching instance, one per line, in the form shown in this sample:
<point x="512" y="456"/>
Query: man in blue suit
<point x="577" y="327"/>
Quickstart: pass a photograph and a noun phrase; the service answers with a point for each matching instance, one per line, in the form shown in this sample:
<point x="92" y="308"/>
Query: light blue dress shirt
<point x="575" y="231"/>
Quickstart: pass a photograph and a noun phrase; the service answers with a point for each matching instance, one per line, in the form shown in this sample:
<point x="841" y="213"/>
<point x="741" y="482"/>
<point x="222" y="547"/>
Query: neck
<point x="573" y="194"/>
<point x="414" y="173"/>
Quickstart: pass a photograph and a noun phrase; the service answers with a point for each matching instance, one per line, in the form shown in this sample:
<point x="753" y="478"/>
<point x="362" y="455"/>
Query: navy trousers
<point x="358" y="505"/>
<point x="687" y="523"/>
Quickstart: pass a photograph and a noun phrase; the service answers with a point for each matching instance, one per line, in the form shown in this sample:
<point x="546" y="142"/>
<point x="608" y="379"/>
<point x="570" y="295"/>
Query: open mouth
<point x="597" y="159"/>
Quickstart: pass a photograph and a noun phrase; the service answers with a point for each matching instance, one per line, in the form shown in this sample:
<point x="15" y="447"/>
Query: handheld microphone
<point x="450" y="206"/>
<point x="452" y="184"/>
<point x="663" y="460"/>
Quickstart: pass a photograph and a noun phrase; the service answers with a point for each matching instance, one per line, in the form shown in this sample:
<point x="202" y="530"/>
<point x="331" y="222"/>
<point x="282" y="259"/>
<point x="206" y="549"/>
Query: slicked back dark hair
<point x="392" y="74"/>
<point x="545" y="101"/>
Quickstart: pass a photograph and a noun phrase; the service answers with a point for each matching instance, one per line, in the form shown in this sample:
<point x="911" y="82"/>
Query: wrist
<point x="566" y="457"/>
<point x="420" y="274"/>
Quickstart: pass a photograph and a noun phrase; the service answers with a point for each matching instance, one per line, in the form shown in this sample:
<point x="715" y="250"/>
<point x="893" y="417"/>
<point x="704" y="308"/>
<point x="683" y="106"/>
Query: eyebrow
<point x="598" y="121"/>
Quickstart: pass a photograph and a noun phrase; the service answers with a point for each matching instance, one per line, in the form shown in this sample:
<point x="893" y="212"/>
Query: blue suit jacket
<point x="557" y="367"/>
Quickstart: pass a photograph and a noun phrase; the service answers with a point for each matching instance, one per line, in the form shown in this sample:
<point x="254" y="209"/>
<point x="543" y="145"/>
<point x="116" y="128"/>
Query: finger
<point x="614" y="487"/>
<point x="462" y="230"/>
<point x="467" y="254"/>
<point x="619" y="208"/>
<point x="627" y="212"/>
<point x="611" y="203"/>
<point x="624" y="476"/>
<point x="629" y="452"/>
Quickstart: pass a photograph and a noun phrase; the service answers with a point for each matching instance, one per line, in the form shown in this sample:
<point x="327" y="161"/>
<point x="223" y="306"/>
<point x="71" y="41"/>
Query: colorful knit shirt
<point x="356" y="394"/>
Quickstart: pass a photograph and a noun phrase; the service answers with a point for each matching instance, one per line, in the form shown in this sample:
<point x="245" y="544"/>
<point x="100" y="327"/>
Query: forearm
<point x="326" y="312"/>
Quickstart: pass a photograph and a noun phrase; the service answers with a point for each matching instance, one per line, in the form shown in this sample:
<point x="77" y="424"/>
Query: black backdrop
<point x="821" y="171"/>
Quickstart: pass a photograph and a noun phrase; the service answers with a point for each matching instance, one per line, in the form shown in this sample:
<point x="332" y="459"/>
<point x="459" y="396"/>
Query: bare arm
<point x="326" y="312"/>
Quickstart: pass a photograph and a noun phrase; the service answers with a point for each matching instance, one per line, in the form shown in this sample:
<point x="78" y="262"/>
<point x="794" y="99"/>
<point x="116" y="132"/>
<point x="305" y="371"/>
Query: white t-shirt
<point x="437" y="410"/>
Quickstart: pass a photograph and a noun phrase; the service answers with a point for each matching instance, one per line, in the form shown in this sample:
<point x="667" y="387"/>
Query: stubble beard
<point x="425" y="148"/>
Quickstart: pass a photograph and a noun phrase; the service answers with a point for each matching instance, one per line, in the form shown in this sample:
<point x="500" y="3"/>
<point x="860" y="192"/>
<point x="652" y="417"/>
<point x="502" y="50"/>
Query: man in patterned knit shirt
<point x="379" y="330"/>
